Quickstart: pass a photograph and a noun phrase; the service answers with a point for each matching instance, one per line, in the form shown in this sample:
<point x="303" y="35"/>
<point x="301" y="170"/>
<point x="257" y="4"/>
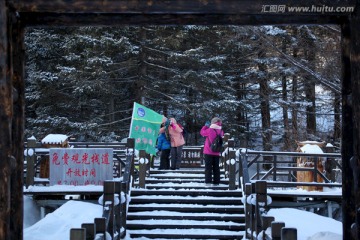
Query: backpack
<point x="217" y="144"/>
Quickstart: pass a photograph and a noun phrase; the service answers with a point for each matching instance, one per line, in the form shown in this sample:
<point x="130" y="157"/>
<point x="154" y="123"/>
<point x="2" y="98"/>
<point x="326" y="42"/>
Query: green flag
<point x="144" y="128"/>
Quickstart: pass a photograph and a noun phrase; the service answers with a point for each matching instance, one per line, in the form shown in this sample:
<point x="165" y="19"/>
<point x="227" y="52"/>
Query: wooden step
<point x="158" y="214"/>
<point x="187" y="192"/>
<point x="185" y="234"/>
<point x="179" y="205"/>
<point x="184" y="224"/>
<point x="234" y="209"/>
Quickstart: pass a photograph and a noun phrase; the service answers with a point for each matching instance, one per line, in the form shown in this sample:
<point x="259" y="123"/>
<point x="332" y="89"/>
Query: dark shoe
<point x="172" y="168"/>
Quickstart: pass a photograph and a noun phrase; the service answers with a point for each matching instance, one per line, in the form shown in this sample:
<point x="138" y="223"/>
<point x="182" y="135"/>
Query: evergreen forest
<point x="271" y="85"/>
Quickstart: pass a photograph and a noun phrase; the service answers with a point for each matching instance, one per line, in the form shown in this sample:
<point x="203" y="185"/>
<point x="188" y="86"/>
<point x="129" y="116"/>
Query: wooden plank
<point x="102" y="19"/>
<point x="184" y="6"/>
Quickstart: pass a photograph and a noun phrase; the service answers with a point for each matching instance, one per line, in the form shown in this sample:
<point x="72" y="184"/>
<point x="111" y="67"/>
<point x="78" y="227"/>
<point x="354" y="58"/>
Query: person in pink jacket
<point x="177" y="141"/>
<point x="212" y="159"/>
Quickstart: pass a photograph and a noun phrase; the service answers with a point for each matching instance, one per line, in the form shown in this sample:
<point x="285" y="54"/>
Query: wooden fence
<point x="280" y="174"/>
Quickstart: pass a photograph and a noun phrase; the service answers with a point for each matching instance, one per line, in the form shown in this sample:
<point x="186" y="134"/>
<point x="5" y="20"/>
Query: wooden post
<point x="30" y="159"/>
<point x="288" y="233"/>
<point x="17" y="76"/>
<point x="347" y="148"/>
<point x="276" y="230"/>
<point x="142" y="168"/>
<point x="355" y="160"/>
<point x="90" y="230"/>
<point x="123" y="209"/>
<point x="5" y="126"/>
<point x="109" y="191"/>
<point x="77" y="234"/>
<point x="261" y="202"/>
<point x="329" y="164"/>
<point x="117" y="208"/>
<point x="100" y="226"/>
<point x="232" y="170"/>
<point x="266" y="222"/>
<point x="248" y="212"/>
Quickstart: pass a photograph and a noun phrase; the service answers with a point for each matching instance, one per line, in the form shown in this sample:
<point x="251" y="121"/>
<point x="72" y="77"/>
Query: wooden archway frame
<point x="16" y="15"/>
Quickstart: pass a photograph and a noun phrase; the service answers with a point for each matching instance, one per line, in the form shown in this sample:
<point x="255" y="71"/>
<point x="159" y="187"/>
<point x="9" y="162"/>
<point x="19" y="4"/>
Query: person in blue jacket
<point x="164" y="145"/>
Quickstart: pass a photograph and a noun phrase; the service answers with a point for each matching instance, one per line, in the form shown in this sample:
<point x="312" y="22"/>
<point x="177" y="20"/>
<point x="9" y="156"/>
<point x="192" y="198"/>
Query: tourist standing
<point x="177" y="141"/>
<point x="163" y="145"/>
<point x="212" y="159"/>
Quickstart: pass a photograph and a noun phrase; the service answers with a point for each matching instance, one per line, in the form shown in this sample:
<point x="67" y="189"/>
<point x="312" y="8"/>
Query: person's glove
<point x="207" y="123"/>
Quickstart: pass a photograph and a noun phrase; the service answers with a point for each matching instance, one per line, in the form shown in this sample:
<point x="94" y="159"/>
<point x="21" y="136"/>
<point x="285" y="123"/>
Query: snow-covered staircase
<point x="178" y="205"/>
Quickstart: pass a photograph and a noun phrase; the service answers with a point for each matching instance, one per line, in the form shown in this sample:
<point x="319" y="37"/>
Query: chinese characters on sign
<point x="80" y="166"/>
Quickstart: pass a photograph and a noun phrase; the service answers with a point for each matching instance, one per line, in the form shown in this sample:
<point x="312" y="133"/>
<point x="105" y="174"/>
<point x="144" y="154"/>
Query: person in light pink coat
<point x="212" y="159"/>
<point x="173" y="129"/>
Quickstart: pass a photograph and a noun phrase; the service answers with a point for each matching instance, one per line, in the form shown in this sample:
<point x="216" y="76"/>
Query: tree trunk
<point x="310" y="90"/>
<point x="265" y="111"/>
<point x="285" y="106"/>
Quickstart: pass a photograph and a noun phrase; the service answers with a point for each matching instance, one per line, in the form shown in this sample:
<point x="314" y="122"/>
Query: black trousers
<point x="212" y="169"/>
<point x="165" y="159"/>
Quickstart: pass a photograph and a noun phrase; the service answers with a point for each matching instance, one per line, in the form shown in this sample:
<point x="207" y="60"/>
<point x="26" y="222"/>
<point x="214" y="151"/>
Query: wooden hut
<point x="309" y="162"/>
<point x="51" y="141"/>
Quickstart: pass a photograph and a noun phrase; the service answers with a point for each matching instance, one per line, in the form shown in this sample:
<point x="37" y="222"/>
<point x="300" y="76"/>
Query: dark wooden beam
<point x="181" y="6"/>
<point x="347" y="150"/>
<point x="355" y="161"/>
<point x="93" y="19"/>
<point x="18" y="83"/>
<point x="5" y="126"/>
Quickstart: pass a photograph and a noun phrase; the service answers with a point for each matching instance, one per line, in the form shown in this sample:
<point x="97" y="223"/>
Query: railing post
<point x="266" y="223"/>
<point x="100" y="226"/>
<point x="77" y="234"/>
<point x="261" y="203"/>
<point x="248" y="212"/>
<point x="276" y="230"/>
<point x="245" y="171"/>
<point x="108" y="205"/>
<point x="30" y="159"/>
<point x="316" y="159"/>
<point x="90" y="230"/>
<point x="288" y="233"/>
<point x="329" y="164"/>
<point x="232" y="170"/>
<point x="123" y="208"/>
<point x="275" y="166"/>
<point x="143" y="163"/>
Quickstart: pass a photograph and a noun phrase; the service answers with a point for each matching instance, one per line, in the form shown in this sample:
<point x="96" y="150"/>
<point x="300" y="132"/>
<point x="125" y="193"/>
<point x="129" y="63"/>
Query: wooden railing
<point x="281" y="173"/>
<point x="283" y="166"/>
<point x="115" y="198"/>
